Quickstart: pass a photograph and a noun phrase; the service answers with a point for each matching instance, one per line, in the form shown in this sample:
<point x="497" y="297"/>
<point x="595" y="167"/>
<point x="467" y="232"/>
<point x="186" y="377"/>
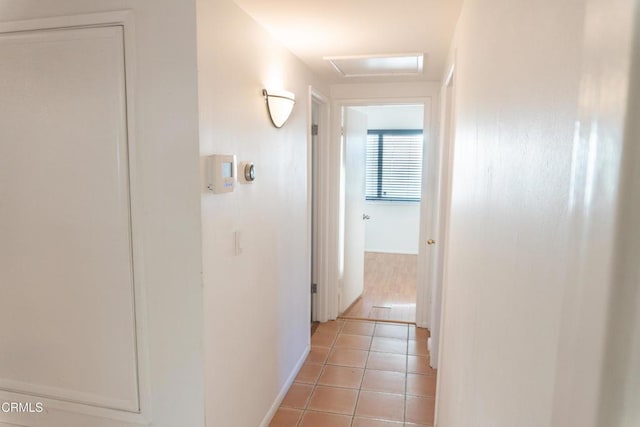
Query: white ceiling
<point x="313" y="29"/>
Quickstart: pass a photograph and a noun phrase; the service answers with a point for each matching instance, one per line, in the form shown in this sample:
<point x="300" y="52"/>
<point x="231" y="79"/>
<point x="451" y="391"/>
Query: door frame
<point x="439" y="275"/>
<point x="331" y="207"/>
<point x="321" y="195"/>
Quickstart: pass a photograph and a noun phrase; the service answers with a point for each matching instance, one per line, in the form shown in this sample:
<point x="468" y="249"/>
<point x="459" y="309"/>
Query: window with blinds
<point x="394" y="165"/>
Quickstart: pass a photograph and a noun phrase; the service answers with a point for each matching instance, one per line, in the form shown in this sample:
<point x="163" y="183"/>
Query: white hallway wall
<point x="525" y="192"/>
<point x="166" y="131"/>
<point x="509" y="223"/>
<point x="257" y="303"/>
<point x="394" y="226"/>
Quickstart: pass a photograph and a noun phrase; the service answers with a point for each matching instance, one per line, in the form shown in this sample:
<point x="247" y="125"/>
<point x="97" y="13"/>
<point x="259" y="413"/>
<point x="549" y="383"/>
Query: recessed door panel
<point x="66" y="265"/>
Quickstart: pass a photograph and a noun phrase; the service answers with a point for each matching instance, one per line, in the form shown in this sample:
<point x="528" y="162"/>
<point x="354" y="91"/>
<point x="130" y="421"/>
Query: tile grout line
<point x="364" y="371"/>
<point x="325" y="364"/>
<point x="315" y="384"/>
<point x="338" y="332"/>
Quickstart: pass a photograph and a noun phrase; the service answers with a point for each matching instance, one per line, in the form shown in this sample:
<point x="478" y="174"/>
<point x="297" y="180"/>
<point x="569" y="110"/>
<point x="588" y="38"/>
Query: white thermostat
<point x="221" y="173"/>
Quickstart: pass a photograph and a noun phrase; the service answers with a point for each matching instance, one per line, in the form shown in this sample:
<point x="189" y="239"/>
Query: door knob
<point x="431" y="242"/>
<point x="365" y="217"/>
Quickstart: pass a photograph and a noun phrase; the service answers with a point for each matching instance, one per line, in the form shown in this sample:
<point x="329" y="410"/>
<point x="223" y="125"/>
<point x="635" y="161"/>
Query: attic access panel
<point x="378" y="65"/>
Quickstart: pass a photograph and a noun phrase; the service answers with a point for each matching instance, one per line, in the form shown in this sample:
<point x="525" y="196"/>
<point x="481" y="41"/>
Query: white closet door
<point x="354" y="229"/>
<point x="66" y="266"/>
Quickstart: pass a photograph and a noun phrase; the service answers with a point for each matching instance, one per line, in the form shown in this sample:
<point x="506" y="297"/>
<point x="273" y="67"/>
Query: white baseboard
<point x="396" y="252"/>
<point x="283" y="392"/>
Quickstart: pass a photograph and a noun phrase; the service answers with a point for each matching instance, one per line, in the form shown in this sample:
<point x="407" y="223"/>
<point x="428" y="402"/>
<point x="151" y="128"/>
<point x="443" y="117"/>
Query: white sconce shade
<point x="280" y="104"/>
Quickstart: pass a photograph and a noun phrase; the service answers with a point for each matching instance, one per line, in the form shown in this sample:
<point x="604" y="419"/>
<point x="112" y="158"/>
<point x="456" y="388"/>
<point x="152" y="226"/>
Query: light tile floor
<point x="362" y="374"/>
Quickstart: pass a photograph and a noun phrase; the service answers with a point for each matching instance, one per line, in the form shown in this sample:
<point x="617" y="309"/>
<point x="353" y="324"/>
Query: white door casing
<point x="428" y="218"/>
<point x="332" y="208"/>
<point x="445" y="175"/>
<point x="318" y="218"/>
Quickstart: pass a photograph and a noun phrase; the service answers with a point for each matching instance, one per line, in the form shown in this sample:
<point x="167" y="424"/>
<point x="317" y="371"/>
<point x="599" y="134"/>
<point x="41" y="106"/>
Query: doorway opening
<point x="383" y="173"/>
<point x="313" y="175"/>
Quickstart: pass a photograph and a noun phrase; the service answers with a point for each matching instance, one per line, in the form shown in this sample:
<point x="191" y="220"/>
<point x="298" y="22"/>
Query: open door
<point x="355" y="139"/>
<point x="439" y="256"/>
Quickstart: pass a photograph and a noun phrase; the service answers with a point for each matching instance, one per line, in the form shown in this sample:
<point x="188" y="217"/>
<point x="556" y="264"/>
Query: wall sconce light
<point x="280" y="104"/>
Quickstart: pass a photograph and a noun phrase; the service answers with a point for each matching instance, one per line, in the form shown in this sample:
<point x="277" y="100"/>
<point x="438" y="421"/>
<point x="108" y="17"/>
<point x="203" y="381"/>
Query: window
<point x="394" y="165"/>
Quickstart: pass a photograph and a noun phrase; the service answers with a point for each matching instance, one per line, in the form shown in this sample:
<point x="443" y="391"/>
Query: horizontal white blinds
<point x="394" y="165"/>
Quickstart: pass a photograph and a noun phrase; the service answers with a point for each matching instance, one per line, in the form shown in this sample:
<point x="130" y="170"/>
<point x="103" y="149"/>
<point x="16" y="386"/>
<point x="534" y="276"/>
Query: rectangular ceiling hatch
<point x="378" y="65"/>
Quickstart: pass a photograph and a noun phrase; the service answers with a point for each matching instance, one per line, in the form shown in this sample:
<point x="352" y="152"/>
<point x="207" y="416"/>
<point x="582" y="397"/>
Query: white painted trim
<point x="332" y="175"/>
<point x="424" y="286"/>
<point x="447" y="138"/>
<point x="447" y="194"/>
<point x="122" y="17"/>
<point x="61" y="394"/>
<point x="386" y="251"/>
<point x="285" y="388"/>
<point x="125" y="19"/>
<point x="449" y="80"/>
<point x="71" y="407"/>
<point x="321" y="313"/>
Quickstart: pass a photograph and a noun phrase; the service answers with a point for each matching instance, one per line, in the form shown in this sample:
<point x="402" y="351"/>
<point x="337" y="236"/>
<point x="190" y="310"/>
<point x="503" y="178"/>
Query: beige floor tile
<point x="334" y="400"/>
<point x="348" y="357"/>
<point x="322" y="419"/>
<point x="418" y="334"/>
<point x="420" y="410"/>
<point x="323" y="339"/>
<point x="318" y="354"/>
<point x="389" y="345"/>
<point x="331" y="326"/>
<point x="356" y="342"/>
<point x="421" y="385"/>
<point x="362" y="374"/>
<point x="390" y="330"/>
<point x="419" y="365"/>
<point x="384" y="381"/>
<point x="355" y="327"/>
<point x="370" y="422"/>
<point x="309" y="373"/>
<point x="286" y="417"/>
<point x="341" y="376"/>
<point x="298" y="395"/>
<point x="417" y="348"/>
<point x="380" y="405"/>
<point x="387" y="362"/>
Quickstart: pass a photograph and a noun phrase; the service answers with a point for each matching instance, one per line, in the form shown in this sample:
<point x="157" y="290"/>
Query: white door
<point x="439" y="248"/>
<point x="314" y="205"/>
<point x="66" y="260"/>
<point x="355" y="137"/>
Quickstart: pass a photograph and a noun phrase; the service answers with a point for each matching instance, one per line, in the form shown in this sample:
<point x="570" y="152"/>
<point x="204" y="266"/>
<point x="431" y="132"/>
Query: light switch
<point x="238" y="243"/>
